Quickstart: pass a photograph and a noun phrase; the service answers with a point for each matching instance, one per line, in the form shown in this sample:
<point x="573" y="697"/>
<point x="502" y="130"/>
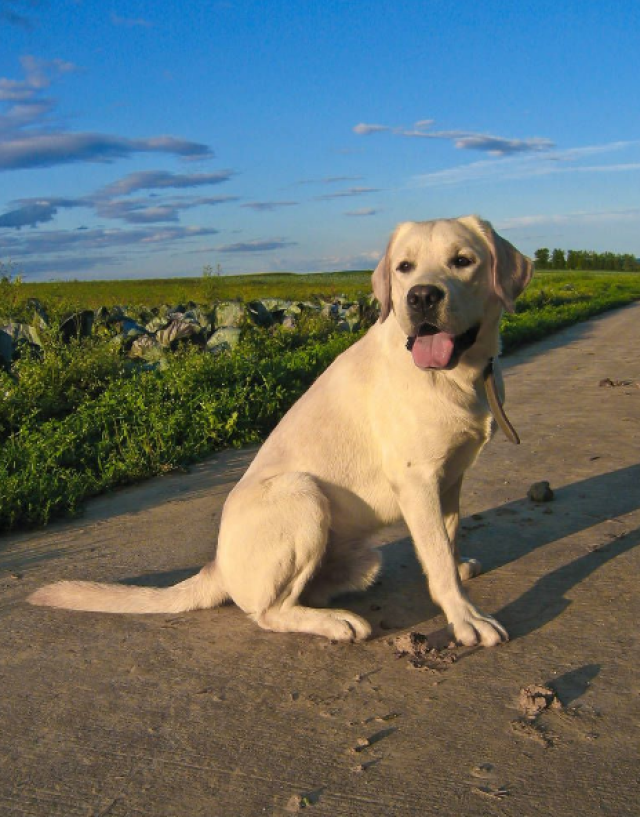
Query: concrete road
<point x="205" y="714"/>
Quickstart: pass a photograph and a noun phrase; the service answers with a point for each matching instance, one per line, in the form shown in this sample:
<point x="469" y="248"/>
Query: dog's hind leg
<point x="346" y="568"/>
<point x="273" y="538"/>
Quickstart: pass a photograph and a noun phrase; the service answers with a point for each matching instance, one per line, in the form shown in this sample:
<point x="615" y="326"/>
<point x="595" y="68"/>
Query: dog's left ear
<point x="511" y="271"/>
<point x="381" y="283"/>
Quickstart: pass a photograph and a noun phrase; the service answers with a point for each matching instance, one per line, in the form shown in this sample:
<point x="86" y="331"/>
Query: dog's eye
<point x="460" y="261"/>
<point x="405" y="266"/>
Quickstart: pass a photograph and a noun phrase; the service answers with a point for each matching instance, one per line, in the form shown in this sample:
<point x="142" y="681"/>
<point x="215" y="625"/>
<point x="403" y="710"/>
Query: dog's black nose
<point x="424" y="297"/>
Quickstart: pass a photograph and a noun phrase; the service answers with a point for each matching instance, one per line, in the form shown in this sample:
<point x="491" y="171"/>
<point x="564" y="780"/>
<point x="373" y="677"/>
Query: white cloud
<point x="29" y="140"/>
<point x="577" y="217"/>
<point x="351" y="191"/>
<point x="39" y="74"/>
<point x="528" y="166"/>
<point x="161" y="180"/>
<point x="365" y="260"/>
<point x="363" y="211"/>
<point x="49" y="149"/>
<point x="331" y="180"/>
<point x="130" y="22"/>
<point x="256" y="245"/>
<point x="32" y="212"/>
<point x="145" y="211"/>
<point x="365" y="130"/>
<point x="64" y="265"/>
<point x="463" y="139"/>
<point x="267" y="206"/>
<point x="56" y="241"/>
<point x="494" y="145"/>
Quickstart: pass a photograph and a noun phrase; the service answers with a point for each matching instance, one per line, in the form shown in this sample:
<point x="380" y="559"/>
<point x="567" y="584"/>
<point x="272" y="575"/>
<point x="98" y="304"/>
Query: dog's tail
<point x="200" y="592"/>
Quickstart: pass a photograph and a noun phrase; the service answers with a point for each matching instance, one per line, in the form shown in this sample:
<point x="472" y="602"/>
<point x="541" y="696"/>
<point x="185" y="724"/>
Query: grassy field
<point x="79" y="416"/>
<point x="324" y="285"/>
<point x="154" y="292"/>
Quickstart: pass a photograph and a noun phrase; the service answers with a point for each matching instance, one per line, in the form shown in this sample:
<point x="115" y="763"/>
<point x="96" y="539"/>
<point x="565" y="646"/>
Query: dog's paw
<point x="472" y="627"/>
<point x="349" y="626"/>
<point x="336" y="625"/>
<point x="469" y="569"/>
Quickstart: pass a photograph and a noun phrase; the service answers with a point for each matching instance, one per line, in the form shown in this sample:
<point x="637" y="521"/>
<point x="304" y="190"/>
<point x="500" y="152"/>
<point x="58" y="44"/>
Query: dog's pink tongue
<point x="433" y="351"/>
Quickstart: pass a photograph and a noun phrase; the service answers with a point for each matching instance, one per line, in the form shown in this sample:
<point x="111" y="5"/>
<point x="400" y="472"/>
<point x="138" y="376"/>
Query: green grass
<point x="61" y="446"/>
<point x="80" y="418"/>
<point x="291" y="286"/>
<point x="555" y="300"/>
<point x="158" y="291"/>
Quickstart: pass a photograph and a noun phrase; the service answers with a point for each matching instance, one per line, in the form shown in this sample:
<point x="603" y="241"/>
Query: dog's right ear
<point x="381" y="283"/>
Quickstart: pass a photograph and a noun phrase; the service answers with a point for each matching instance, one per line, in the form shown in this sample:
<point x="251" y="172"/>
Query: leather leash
<point x="496" y="406"/>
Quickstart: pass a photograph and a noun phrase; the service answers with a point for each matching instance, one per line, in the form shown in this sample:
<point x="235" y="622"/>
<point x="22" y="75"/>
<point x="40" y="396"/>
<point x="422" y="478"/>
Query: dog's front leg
<point x="467" y="568"/>
<point x="421" y="506"/>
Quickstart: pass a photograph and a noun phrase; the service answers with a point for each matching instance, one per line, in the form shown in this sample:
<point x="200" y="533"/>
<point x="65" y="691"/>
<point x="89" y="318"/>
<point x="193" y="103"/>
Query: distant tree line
<point x="585" y="260"/>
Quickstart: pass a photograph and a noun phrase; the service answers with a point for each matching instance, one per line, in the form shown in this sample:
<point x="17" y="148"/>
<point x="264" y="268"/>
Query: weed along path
<point x="205" y="714"/>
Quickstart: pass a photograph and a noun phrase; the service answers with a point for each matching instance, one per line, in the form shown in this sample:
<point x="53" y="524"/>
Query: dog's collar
<point x="496" y="406"/>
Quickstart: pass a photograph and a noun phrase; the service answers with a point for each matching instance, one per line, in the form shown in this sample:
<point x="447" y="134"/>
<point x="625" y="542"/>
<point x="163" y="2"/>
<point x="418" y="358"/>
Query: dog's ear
<point x="511" y="271"/>
<point x="381" y="283"/>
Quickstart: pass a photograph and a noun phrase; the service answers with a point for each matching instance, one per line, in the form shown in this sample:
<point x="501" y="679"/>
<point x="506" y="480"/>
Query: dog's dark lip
<point x="421" y="331"/>
<point x="466" y="339"/>
<point x="427" y="329"/>
<point x="462" y="342"/>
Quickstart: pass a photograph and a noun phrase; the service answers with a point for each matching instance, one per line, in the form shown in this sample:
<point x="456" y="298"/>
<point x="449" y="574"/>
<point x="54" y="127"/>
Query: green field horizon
<point x="247" y="287"/>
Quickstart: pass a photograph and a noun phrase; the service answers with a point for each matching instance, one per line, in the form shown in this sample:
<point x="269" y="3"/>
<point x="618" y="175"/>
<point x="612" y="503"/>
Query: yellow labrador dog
<point x="387" y="432"/>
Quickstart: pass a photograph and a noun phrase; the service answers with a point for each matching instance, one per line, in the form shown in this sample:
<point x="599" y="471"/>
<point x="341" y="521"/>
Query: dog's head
<point x="442" y="279"/>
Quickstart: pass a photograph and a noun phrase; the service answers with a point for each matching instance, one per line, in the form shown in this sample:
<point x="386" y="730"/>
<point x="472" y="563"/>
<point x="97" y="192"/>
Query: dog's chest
<point x="430" y="427"/>
<point x="462" y="452"/>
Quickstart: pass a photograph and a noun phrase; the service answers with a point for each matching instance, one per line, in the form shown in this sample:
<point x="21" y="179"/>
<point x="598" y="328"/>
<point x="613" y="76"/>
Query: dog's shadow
<point x="399" y="599"/>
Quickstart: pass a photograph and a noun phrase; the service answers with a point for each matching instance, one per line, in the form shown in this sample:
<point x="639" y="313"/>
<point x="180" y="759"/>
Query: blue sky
<point x="149" y="139"/>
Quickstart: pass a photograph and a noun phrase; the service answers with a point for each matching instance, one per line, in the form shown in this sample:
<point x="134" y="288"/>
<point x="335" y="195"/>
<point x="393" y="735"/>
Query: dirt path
<point x="205" y="714"/>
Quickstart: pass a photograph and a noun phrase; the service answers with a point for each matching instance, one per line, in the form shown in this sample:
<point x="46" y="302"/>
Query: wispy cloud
<point x="49" y="149"/>
<point x="137" y="211"/>
<point x="108" y="202"/>
<point x="28" y="138"/>
<point x="162" y="180"/>
<point x="462" y="139"/>
<point x="35" y="211"/>
<point x="363" y="211"/>
<point x="256" y="245"/>
<point x="22" y="114"/>
<point x="358" y="261"/>
<point x="267" y="206"/>
<point x="56" y="241"/>
<point x="528" y="166"/>
<point x="66" y="265"/>
<point x="494" y="145"/>
<point x="17" y="12"/>
<point x="331" y="180"/>
<point x="351" y="191"/>
<point x="32" y="212"/>
<point x="577" y="217"/>
<point x="339" y="179"/>
<point x="498" y="145"/>
<point x="38" y="75"/>
<point x="130" y="22"/>
<point x="144" y="211"/>
<point x="584" y="151"/>
<point x="363" y="129"/>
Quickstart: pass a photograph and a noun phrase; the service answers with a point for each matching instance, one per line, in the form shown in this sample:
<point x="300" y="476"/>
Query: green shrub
<point x="70" y="446"/>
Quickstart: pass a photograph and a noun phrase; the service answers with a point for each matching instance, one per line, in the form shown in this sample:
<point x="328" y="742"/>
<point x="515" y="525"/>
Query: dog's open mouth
<point x="431" y="348"/>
